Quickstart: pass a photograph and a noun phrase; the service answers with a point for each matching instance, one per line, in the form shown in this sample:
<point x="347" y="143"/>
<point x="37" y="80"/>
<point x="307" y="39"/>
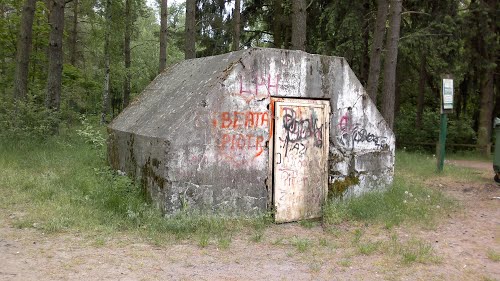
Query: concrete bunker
<point x="251" y="131"/>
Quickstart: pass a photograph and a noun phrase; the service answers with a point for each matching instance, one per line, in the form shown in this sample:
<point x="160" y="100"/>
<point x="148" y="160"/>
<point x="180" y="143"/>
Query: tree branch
<point x="415" y="12"/>
<point x="424" y="35"/>
<point x="258" y="32"/>
<point x="309" y="4"/>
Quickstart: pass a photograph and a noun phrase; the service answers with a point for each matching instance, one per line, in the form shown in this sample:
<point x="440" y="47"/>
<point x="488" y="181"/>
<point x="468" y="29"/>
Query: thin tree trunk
<point x="163" y="35"/>
<point x="391" y="63"/>
<point x="74" y="35"/>
<point x="190" y="42"/>
<point x="365" y="57"/>
<point x="299" y="24"/>
<point x="236" y="22"/>
<point x="105" y="94"/>
<point x="421" y="90"/>
<point x="278" y="24"/>
<point x="24" y="42"/>
<point x="54" y="78"/>
<point x="126" y="51"/>
<point x="376" y="51"/>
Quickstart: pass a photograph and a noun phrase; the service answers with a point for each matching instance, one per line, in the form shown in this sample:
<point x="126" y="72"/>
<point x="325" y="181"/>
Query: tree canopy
<point x="61" y="59"/>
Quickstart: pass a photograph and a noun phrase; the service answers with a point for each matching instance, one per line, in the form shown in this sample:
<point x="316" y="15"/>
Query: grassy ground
<point x="64" y="185"/>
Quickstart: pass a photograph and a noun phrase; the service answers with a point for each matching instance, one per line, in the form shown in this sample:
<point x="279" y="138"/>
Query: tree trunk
<point x="74" y="35"/>
<point x="486" y="110"/>
<point x="23" y="51"/>
<point x="391" y="63"/>
<point x="105" y="94"/>
<point x="190" y="41"/>
<point x="487" y="78"/>
<point x="496" y="111"/>
<point x="421" y="90"/>
<point x="365" y="57"/>
<point x="236" y="22"/>
<point x="278" y="24"/>
<point x="299" y="24"/>
<point x="54" y="75"/>
<point x="163" y="35"/>
<point x="376" y="51"/>
<point x="126" y="51"/>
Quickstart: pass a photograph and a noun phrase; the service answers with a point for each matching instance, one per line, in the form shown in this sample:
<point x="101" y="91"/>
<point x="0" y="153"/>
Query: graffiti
<point x="242" y="135"/>
<point x="241" y="141"/>
<point x="300" y="129"/>
<point x="241" y="119"/>
<point x="345" y="123"/>
<point x="261" y="87"/>
<point x="299" y="148"/>
<point x="350" y="133"/>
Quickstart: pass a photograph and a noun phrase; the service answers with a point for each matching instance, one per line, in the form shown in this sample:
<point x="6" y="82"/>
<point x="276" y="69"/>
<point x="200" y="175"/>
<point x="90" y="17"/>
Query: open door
<point x="301" y="145"/>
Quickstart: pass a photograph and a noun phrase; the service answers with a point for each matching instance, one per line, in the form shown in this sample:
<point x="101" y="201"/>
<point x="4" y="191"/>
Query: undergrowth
<point x="406" y="200"/>
<point x="64" y="184"/>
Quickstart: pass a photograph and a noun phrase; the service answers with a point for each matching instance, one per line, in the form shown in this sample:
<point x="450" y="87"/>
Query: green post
<point x="442" y="142"/>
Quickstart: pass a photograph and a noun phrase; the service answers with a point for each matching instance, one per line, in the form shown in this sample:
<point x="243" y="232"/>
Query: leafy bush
<point x="26" y="120"/>
<point x="459" y="131"/>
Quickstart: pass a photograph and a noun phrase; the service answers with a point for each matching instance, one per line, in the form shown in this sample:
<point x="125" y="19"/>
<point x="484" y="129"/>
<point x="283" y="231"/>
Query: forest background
<point x="64" y="61"/>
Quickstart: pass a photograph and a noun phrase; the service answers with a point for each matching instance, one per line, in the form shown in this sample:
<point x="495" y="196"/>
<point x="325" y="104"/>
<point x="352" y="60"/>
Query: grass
<point x="64" y="184"/>
<point x="415" y="250"/>
<point x="493" y="255"/>
<point x="301" y="244"/>
<point x="407" y="200"/>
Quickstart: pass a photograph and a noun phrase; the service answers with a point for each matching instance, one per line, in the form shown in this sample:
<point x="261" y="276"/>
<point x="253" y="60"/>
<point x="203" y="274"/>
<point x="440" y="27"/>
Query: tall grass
<point x="64" y="184"/>
<point x="407" y="200"/>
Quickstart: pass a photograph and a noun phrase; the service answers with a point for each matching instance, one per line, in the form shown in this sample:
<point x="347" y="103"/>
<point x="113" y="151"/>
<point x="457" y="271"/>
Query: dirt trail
<point x="462" y="241"/>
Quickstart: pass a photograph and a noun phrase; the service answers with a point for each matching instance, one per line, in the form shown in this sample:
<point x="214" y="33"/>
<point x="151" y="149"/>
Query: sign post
<point x="446" y="107"/>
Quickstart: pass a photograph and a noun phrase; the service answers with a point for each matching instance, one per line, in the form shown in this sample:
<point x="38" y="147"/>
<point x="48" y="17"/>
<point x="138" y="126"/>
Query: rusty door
<point x="300" y="158"/>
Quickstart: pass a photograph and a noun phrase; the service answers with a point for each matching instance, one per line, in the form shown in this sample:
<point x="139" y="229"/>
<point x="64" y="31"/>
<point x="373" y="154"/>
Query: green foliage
<point x="460" y="131"/>
<point x="25" y="121"/>
<point x="90" y="134"/>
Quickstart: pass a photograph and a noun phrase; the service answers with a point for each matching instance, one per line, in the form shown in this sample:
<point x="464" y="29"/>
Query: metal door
<point x="301" y="146"/>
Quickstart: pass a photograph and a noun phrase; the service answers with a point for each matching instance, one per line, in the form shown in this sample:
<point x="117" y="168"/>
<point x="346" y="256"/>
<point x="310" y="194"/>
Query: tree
<point x="190" y="36"/>
<point x="23" y="50"/>
<point x="163" y="35"/>
<point x="74" y="35"/>
<point x="54" y="78"/>
<point x="376" y="50"/>
<point x="390" y="64"/>
<point x="486" y="44"/>
<point x="421" y="89"/>
<point x="278" y="24"/>
<point x="299" y="25"/>
<point x="236" y="25"/>
<point x="106" y="99"/>
<point x="126" y="51"/>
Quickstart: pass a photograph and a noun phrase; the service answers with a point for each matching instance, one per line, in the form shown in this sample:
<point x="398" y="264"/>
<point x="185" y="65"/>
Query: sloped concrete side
<point x="362" y="146"/>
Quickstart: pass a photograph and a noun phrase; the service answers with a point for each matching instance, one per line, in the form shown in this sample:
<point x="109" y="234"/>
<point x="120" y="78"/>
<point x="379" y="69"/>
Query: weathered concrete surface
<point x="198" y="134"/>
